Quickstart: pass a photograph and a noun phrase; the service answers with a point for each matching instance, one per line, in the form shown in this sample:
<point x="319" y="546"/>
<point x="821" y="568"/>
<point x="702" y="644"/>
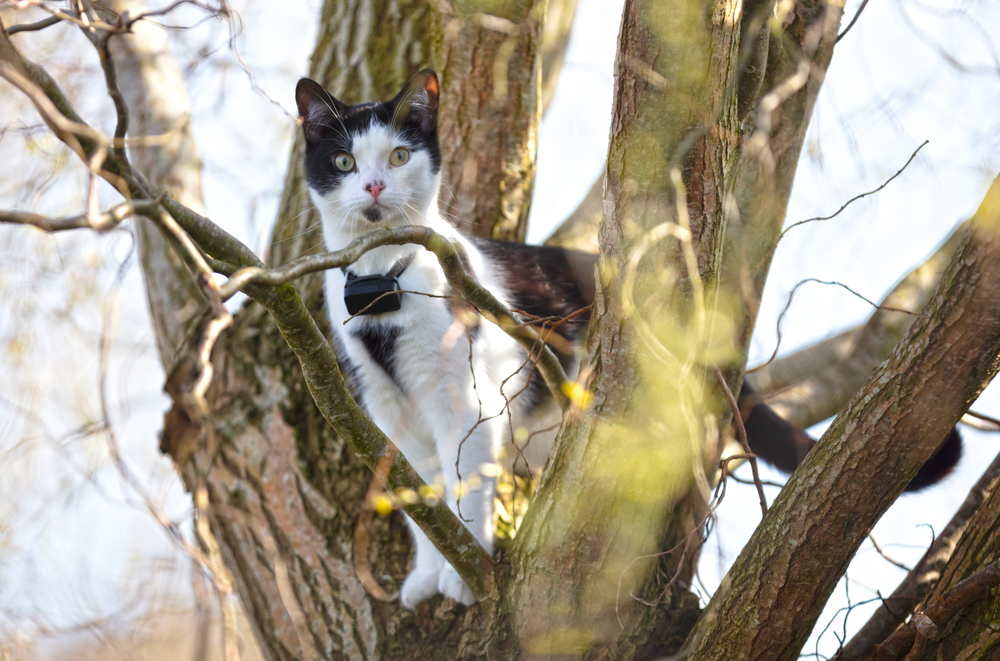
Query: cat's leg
<point x="415" y="441"/>
<point x="466" y="445"/>
<point x="423" y="580"/>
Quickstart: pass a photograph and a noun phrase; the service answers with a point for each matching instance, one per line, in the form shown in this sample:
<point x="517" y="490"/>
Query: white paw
<point x="421" y="584"/>
<point x="452" y="586"/>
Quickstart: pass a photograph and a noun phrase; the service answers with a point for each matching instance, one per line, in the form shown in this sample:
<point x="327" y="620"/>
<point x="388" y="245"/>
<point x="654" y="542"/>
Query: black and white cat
<point x="433" y="379"/>
<point x="436" y="380"/>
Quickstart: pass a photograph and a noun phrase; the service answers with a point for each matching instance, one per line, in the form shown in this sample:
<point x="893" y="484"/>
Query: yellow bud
<point x="383" y="505"/>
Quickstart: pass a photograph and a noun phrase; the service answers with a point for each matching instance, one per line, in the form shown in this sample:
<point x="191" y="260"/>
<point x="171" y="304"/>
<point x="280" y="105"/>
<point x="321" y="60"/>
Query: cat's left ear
<point x="317" y="108"/>
<point x="417" y="104"/>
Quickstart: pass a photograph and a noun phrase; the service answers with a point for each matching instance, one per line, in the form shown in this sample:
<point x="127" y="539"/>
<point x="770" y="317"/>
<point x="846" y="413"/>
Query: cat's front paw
<point x="421" y="584"/>
<point x="452" y="586"/>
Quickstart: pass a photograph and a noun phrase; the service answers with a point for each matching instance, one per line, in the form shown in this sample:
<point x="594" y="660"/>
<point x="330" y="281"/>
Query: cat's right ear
<point x="318" y="109"/>
<point x="418" y="102"/>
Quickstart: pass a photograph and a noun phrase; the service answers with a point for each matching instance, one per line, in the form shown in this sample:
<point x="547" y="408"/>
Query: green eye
<point x="344" y="162"/>
<point x="399" y="156"/>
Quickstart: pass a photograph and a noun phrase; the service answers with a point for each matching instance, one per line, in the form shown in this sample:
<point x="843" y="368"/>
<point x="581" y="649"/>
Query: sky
<point x="906" y="72"/>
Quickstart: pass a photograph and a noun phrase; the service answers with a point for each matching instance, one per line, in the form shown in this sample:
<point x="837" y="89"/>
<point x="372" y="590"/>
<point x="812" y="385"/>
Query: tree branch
<point x="863" y="462"/>
<point x="922" y="578"/>
<point x="103" y="222"/>
<point x="970" y="589"/>
<point x="448" y="256"/>
<point x="579" y="230"/>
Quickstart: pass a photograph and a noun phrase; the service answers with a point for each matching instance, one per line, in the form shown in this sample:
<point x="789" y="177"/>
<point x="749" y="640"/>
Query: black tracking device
<point x="372" y="294"/>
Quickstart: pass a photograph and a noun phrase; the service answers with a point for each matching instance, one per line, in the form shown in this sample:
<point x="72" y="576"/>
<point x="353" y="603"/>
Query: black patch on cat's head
<point x="329" y="124"/>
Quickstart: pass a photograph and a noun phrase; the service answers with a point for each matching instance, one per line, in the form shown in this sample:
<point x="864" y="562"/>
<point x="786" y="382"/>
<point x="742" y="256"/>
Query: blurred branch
<point x="922" y="578"/>
<point x="31" y="27"/>
<point x="103" y="222"/>
<point x="854" y="20"/>
<point x="981" y="422"/>
<point x="556" y="32"/>
<point x="813" y="384"/>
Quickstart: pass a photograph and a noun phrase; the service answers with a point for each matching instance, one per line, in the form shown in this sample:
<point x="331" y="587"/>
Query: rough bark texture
<point x="620" y="461"/>
<point x="773" y="594"/>
<point x="926" y="574"/>
<point x="972" y="634"/>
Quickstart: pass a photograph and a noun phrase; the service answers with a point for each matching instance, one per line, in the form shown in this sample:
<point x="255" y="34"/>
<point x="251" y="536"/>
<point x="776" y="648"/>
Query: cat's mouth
<point x="373" y="214"/>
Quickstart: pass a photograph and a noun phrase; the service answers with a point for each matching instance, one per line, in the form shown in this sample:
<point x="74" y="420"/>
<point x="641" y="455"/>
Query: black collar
<point x="375" y="294"/>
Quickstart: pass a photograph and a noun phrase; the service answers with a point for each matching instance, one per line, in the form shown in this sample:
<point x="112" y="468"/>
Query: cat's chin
<point x="373" y="215"/>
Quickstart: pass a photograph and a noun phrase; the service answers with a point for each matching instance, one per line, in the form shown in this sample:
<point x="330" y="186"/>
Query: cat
<point x="452" y="391"/>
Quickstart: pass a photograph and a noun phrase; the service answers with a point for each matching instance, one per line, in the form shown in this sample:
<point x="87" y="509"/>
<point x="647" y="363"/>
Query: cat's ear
<point x="417" y="104"/>
<point x="317" y="108"/>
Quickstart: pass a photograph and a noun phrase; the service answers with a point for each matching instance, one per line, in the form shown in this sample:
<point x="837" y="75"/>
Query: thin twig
<point x="788" y="304"/>
<point x="878" y="549"/>
<point x="854" y="20"/>
<point x="741" y="432"/>
<point x="844" y="206"/>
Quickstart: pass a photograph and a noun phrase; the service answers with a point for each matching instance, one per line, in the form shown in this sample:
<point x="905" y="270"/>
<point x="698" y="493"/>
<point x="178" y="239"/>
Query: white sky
<point x="887" y="91"/>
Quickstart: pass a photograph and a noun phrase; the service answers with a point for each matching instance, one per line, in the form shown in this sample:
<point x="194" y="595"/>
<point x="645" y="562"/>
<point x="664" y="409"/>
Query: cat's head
<point x="373" y="163"/>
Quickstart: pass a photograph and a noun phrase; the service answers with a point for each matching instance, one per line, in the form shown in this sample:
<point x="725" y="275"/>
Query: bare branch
<point x="106" y="221"/>
<point x="579" y="230"/>
<point x="31" y="27"/>
<point x="843" y="206"/>
<point x="815" y="383"/>
<point x="742" y="433"/>
<point x="448" y="256"/>
<point x="854" y="20"/>
<point x="970" y="589"/>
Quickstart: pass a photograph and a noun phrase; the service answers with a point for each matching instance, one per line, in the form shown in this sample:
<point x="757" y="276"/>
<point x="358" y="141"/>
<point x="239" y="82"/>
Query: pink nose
<point x="375" y="189"/>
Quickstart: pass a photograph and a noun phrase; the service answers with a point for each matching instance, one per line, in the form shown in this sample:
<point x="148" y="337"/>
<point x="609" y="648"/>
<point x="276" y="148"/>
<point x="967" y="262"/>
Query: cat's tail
<point x="784" y="445"/>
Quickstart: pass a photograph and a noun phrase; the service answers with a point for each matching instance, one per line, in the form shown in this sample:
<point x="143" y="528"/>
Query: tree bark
<point x="776" y="589"/>
<point x="925" y="575"/>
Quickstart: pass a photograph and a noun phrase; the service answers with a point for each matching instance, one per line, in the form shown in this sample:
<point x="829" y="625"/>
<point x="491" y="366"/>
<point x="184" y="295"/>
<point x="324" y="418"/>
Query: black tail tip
<point x="942" y="463"/>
